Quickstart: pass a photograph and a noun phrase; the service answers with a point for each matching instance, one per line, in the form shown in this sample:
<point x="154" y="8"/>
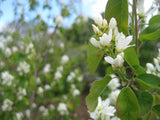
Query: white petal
<point x="98" y="19"/>
<point x="95" y="42"/>
<point x="109" y="59"/>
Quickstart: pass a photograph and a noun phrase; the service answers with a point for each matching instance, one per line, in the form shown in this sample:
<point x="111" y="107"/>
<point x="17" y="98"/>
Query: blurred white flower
<point x="62" y="109"/>
<point x="103" y="110"/>
<point x="47" y="87"/>
<point x="21" y="93"/>
<point x="28" y="113"/>
<point x="51" y="50"/>
<point x="34" y="105"/>
<point x="157" y="63"/>
<point x="40" y="91"/>
<point x="62" y="45"/>
<point x="80" y="78"/>
<point x="51" y="107"/>
<point x="23" y="68"/>
<point x="29" y="47"/>
<point x="6" y="78"/>
<point x="59" y="20"/>
<point x="47" y="69"/>
<point x="14" y="49"/>
<point x="7" y="52"/>
<point x="7" y="105"/>
<point x="60" y="68"/>
<point x="19" y="116"/>
<point x="76" y="92"/>
<point x="2" y="46"/>
<point x="58" y="75"/>
<point x="115" y="118"/>
<point x="64" y="59"/>
<point x="38" y="81"/>
<point x="44" y="111"/>
<point x="113" y="97"/>
<point x="116" y="63"/>
<point x="140" y="7"/>
<point x="114" y="83"/>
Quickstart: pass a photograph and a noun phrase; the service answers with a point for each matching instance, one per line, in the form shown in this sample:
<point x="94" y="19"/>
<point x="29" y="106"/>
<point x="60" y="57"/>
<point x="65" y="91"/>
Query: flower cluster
<point x="110" y="40"/>
<point x="154" y="69"/>
<point x="23" y="68"/>
<point x="105" y="109"/>
<point x="6" y="78"/>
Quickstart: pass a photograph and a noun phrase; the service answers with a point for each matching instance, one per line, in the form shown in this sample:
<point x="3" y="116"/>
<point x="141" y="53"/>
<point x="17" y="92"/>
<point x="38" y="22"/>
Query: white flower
<point x="14" y="49"/>
<point x="112" y="23"/>
<point x="150" y="68"/>
<point x="23" y="68"/>
<point x="95" y="43"/>
<point x="59" y="20"/>
<point x="98" y="19"/>
<point x="44" y="111"/>
<point x="46" y="69"/>
<point x="7" y="52"/>
<point x="80" y="78"/>
<point x="116" y="63"/>
<point x="38" y="81"/>
<point x="123" y="42"/>
<point x="103" y="111"/>
<point x="64" y="59"/>
<point x="95" y="29"/>
<point x="140" y="6"/>
<point x="33" y="105"/>
<point x="2" y="46"/>
<point x="7" y="105"/>
<point x="60" y="68"/>
<point x="157" y="63"/>
<point x="21" y="93"/>
<point x="7" y="78"/>
<point x="114" y="83"/>
<point x="62" y="108"/>
<point x="115" y="118"/>
<point x="61" y="45"/>
<point x="19" y="116"/>
<point x="40" y="90"/>
<point x="58" y="75"/>
<point x="28" y="113"/>
<point x="29" y="48"/>
<point x="47" y="87"/>
<point x="113" y="97"/>
<point x="76" y="92"/>
<point x="106" y="39"/>
<point x="51" y="107"/>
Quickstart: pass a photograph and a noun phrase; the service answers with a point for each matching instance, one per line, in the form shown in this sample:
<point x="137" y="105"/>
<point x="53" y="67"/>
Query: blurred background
<point x="43" y="51"/>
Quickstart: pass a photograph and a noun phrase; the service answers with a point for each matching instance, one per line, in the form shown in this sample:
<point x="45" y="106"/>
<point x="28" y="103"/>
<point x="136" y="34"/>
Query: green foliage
<point x="95" y="91"/>
<point x="148" y="81"/>
<point x="93" y="52"/>
<point x="145" y="101"/>
<point x="152" y="31"/>
<point x="119" y="10"/>
<point x="127" y="105"/>
<point x="156" y="109"/>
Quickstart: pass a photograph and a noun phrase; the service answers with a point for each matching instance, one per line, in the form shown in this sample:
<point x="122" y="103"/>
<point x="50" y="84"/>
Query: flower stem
<point x="136" y="24"/>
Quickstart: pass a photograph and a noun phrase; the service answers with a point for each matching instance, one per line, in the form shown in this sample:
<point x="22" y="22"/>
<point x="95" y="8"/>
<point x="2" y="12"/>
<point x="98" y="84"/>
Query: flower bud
<point x="112" y="23"/>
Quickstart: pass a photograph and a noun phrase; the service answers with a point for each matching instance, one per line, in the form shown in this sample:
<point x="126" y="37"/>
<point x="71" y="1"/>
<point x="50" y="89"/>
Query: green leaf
<point x="152" y="31"/>
<point x="155" y="19"/>
<point x="133" y="61"/>
<point x="95" y="91"/>
<point x="145" y="101"/>
<point x="156" y="109"/>
<point x="148" y="81"/>
<point x="94" y="57"/>
<point x="119" y="10"/>
<point x="127" y="105"/>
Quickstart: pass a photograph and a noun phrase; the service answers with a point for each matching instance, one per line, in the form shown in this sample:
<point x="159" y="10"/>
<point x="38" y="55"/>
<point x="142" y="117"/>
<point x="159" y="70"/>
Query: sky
<point x="89" y="8"/>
